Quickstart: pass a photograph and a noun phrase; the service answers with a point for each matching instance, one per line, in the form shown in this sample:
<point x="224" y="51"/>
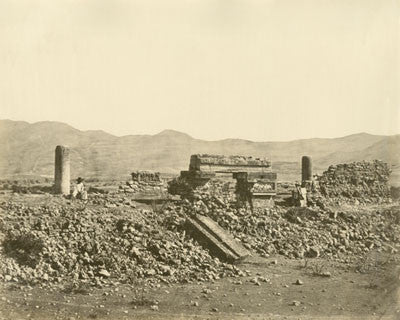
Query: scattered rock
<point x="299" y="282"/>
<point x="194" y="303"/>
<point x="104" y="273"/>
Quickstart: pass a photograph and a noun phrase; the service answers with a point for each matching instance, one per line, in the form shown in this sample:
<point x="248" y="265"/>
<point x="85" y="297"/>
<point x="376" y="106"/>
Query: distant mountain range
<point x="28" y="149"/>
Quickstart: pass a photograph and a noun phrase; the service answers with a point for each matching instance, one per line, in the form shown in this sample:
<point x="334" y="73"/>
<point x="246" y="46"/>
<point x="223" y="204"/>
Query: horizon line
<point x="188" y="135"/>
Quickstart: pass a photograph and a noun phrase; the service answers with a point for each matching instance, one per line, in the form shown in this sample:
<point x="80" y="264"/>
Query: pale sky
<point x="254" y="69"/>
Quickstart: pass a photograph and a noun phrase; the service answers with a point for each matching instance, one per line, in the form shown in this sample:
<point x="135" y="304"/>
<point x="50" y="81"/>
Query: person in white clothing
<point x="79" y="190"/>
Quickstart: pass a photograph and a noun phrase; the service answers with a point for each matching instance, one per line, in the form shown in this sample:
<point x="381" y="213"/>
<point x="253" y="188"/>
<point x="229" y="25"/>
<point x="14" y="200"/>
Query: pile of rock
<point x="302" y="232"/>
<point x="144" y="182"/>
<point x="141" y="186"/>
<point x="58" y="243"/>
<point x="295" y="232"/>
<point x="363" y="181"/>
<point x="262" y="187"/>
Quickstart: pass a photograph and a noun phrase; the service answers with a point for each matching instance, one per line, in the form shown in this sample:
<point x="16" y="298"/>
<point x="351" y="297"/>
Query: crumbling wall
<point x="253" y="176"/>
<point x="363" y="181"/>
<point x="206" y="162"/>
<point x="146" y="176"/>
<point x="144" y="181"/>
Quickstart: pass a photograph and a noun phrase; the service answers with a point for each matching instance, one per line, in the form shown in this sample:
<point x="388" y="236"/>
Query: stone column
<point x="62" y="172"/>
<point x="306" y="169"/>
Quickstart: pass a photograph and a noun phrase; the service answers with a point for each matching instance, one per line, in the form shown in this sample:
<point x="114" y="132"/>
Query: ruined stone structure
<point x="307" y="179"/>
<point x="146" y="176"/>
<point x="224" y="164"/>
<point x="146" y="182"/>
<point x="259" y="183"/>
<point x="62" y="171"/>
<point x="364" y="181"/>
<point x="306" y="169"/>
<point x="254" y="176"/>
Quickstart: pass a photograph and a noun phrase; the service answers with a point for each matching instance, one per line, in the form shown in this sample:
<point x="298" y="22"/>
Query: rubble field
<point x="334" y="232"/>
<point x="60" y="241"/>
<point x="129" y="260"/>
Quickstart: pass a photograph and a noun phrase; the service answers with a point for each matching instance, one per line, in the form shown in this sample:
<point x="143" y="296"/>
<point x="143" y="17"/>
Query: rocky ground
<point x="57" y="241"/>
<point x="114" y="257"/>
<point x="289" y="289"/>
<point x="339" y="232"/>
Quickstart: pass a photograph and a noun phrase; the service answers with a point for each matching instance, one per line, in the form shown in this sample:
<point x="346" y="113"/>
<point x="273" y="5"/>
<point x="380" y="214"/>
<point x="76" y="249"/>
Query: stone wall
<point x="146" y="176"/>
<point x="205" y="162"/>
<point x="364" y="181"/>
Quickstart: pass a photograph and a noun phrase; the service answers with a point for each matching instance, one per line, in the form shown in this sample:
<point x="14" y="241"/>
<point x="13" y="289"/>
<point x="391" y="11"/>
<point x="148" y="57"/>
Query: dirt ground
<point x="346" y="294"/>
<point x="289" y="289"/>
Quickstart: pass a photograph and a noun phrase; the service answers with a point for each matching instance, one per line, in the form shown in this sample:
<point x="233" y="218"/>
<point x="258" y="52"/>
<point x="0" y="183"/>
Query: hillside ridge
<point x="29" y="149"/>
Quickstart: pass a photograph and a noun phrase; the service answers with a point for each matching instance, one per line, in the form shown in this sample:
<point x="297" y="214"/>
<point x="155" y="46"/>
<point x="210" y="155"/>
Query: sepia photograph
<point x="200" y="159"/>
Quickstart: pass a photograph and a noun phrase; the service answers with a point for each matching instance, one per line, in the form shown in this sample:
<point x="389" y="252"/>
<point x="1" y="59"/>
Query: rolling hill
<point x="29" y="149"/>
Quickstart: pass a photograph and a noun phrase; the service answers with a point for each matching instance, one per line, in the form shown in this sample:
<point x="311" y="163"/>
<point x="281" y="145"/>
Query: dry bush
<point x="317" y="268"/>
<point x="24" y="248"/>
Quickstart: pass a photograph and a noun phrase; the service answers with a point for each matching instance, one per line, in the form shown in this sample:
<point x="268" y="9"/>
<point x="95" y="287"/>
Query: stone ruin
<point x="300" y="193"/>
<point x="219" y="163"/>
<point x="62" y="171"/>
<point x="357" y="182"/>
<point x="144" y="181"/>
<point x="146" y="177"/>
<point x="254" y="176"/>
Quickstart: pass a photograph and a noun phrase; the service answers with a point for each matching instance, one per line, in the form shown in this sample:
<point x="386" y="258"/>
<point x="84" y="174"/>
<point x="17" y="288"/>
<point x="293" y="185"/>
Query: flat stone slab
<point x="219" y="241"/>
<point x="206" y="162"/>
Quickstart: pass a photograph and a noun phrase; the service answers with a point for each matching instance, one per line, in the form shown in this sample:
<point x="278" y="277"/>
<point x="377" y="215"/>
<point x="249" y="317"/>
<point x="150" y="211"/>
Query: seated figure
<point x="79" y="190"/>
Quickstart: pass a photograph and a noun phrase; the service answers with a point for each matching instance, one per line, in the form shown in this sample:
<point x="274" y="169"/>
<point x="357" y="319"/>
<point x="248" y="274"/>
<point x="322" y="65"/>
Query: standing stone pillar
<point x="306" y="168"/>
<point x="62" y="172"/>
